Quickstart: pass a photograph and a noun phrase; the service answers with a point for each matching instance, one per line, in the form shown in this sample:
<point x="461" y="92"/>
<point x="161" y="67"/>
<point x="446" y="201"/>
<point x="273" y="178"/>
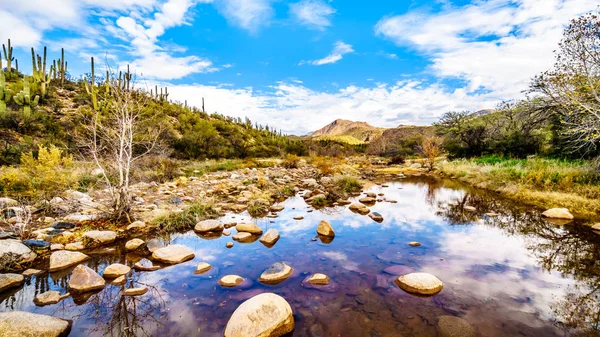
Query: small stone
<point x="414" y="244"/>
<point x="420" y="283"/>
<point x="229" y="244"/>
<point x="230" y="281"/>
<point x="115" y="270"/>
<point x="299" y="217"/>
<point x="64" y="225"/>
<point x="64" y="259"/>
<point x="208" y="226"/>
<point x="136" y="226"/>
<point x="173" y="254"/>
<point x="203" y="267"/>
<point x="367" y="200"/>
<point x="270" y="237"/>
<point x="145" y="265"/>
<point x="226" y="233"/>
<point x="8" y="281"/>
<point x="134" y="244"/>
<point x="376" y="217"/>
<point x="249" y="228"/>
<point x="469" y="208"/>
<point x="276" y="273"/>
<point x="74" y="246"/>
<point x="57" y="246"/>
<point x="32" y="272"/>
<point x="491" y="214"/>
<point x="85" y="279"/>
<point x="49" y="297"/>
<point x="276" y="208"/>
<point x="242" y="236"/>
<point x="558" y="213"/>
<point x="325" y="229"/>
<point x="135" y="291"/>
<point x="318" y="279"/>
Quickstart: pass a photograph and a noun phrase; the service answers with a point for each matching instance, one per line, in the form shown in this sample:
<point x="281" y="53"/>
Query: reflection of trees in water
<point x="573" y="250"/>
<point x="125" y="316"/>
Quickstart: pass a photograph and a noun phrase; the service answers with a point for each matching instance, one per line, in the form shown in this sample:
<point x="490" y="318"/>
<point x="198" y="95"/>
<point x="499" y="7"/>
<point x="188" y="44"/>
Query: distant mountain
<point x="352" y="132"/>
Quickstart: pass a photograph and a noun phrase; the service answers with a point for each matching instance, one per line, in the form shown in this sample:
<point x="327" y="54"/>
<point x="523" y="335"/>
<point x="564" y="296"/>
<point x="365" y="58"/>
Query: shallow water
<point x="516" y="274"/>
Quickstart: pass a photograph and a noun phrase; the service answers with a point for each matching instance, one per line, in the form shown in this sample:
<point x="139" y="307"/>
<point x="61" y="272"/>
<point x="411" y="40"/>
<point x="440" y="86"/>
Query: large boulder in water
<point x="64" y="259"/>
<point x="96" y="238"/>
<point x="420" y="283"/>
<point x="450" y="326"/>
<point x="276" y="273"/>
<point x="27" y="324"/>
<point x="208" y="226"/>
<point x="270" y="237"/>
<point x="8" y="281"/>
<point x="264" y="315"/>
<point x="14" y="255"/>
<point x="325" y="229"/>
<point x="173" y="254"/>
<point x="85" y="279"/>
<point x="558" y="213"/>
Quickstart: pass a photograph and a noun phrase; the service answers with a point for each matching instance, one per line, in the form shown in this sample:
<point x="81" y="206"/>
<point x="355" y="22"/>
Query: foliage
<point x="345" y="185"/>
<point x="291" y="161"/>
<point x="431" y="149"/>
<point x="187" y="219"/>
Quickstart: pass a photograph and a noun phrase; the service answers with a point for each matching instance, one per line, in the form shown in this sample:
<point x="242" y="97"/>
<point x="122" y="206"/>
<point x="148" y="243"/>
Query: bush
<point x="291" y="161"/>
<point x="187" y="219"/>
<point x="347" y="184"/>
<point x="396" y="160"/>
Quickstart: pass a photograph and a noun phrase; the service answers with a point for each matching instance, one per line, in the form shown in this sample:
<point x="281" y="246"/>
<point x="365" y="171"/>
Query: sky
<point x="298" y="65"/>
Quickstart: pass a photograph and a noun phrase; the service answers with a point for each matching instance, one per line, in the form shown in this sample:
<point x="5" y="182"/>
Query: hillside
<point x="348" y="132"/>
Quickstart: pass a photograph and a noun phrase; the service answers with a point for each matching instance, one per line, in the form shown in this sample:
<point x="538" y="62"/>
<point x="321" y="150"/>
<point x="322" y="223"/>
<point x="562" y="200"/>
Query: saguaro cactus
<point x="8" y="56"/>
<point x="5" y="92"/>
<point x="61" y="67"/>
<point x="91" y="89"/>
<point x="39" y="71"/>
<point x="128" y="77"/>
<point x="23" y="98"/>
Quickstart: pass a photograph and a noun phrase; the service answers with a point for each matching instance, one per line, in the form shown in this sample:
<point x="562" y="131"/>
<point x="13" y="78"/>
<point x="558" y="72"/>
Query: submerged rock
<point x="230" y="281"/>
<point x="208" y="226"/>
<point x="451" y="326"/>
<point x="115" y="270"/>
<point x="15" y="255"/>
<point x="276" y="273"/>
<point x="558" y="213"/>
<point x="325" y="229"/>
<point x="318" y="279"/>
<point x="420" y="283"/>
<point x="270" y="237"/>
<point x="64" y="259"/>
<point x="85" y="279"/>
<point x="145" y="265"/>
<point x="173" y="254"/>
<point x="264" y="315"/>
<point x="26" y="324"/>
<point x="49" y="297"/>
<point x="8" y="281"/>
<point x="248" y="228"/>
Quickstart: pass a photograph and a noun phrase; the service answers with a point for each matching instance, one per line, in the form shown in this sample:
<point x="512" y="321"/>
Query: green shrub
<point x="187" y="219"/>
<point x="291" y="161"/>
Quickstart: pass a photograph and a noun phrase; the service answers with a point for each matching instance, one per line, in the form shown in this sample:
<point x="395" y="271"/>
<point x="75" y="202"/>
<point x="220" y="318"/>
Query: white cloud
<point x="339" y="50"/>
<point x="495" y="45"/>
<point x="312" y="13"/>
<point x="250" y="15"/>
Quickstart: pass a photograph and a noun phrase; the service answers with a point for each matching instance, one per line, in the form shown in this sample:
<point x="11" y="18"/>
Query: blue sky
<point x="300" y="64"/>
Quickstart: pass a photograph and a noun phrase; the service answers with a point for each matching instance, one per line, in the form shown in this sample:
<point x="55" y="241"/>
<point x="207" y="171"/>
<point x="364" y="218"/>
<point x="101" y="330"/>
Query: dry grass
<point x="542" y="182"/>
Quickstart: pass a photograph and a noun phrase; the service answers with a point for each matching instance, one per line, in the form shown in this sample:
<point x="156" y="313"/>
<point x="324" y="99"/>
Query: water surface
<point x="511" y="275"/>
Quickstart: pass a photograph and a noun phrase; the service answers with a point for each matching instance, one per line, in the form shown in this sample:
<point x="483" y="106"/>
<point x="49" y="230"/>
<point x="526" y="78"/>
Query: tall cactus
<point x="23" y="98"/>
<point x="8" y="56"/>
<point x="91" y="89"/>
<point x="5" y="93"/>
<point x="61" y="67"/>
<point x="39" y="71"/>
<point x="128" y="77"/>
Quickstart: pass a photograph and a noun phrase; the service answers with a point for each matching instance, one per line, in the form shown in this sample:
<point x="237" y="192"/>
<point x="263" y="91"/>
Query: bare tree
<point x="572" y="87"/>
<point x="121" y="131"/>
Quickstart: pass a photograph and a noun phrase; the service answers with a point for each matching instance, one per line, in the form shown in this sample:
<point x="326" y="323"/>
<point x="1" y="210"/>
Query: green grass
<point x="342" y="139"/>
<point x="540" y="181"/>
<point x="347" y="184"/>
<point x="186" y="219"/>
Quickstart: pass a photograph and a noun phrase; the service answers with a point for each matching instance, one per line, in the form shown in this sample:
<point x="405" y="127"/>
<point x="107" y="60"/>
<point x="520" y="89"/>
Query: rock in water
<point x="49" y="297"/>
<point x="270" y="237"/>
<point x="26" y="324"/>
<point x="208" y="226"/>
<point x="276" y="273"/>
<point x="325" y="229"/>
<point x="203" y="267"/>
<point x="230" y="281"/>
<point x="558" y="213"/>
<point x="14" y="255"/>
<point x="414" y="244"/>
<point x="264" y="315"/>
<point x="115" y="270"/>
<point x="376" y="217"/>
<point x="85" y="279"/>
<point x="135" y="291"/>
<point x="8" y="281"/>
<point x="248" y="228"/>
<point x="420" y="283"/>
<point x="450" y="326"/>
<point x="318" y="279"/>
<point x="173" y="254"/>
<point x="154" y="244"/>
<point x="134" y="244"/>
<point x="64" y="259"/>
<point x="93" y="238"/>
